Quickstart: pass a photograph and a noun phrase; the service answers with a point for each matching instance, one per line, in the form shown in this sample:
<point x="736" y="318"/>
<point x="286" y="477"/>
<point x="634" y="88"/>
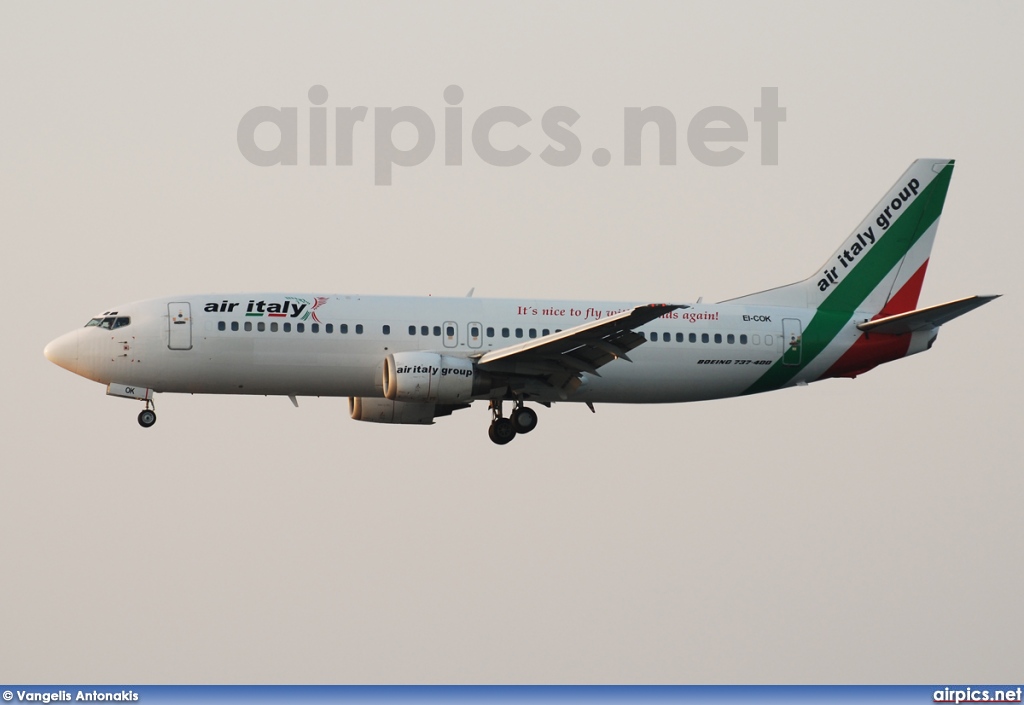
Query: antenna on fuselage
<point x="470" y="294"/>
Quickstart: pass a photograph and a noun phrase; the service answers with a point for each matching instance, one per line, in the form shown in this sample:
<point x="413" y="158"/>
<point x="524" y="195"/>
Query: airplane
<point x="411" y="360"/>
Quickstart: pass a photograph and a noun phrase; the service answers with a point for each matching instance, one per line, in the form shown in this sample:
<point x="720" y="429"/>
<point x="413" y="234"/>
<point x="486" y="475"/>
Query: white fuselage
<point x="181" y="344"/>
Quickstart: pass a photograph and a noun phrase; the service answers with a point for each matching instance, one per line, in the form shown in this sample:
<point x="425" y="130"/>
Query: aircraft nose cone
<point x="63" y="351"/>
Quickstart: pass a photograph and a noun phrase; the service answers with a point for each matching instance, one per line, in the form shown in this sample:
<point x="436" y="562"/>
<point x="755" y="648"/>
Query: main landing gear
<point x="147" y="417"/>
<point x="502" y="430"/>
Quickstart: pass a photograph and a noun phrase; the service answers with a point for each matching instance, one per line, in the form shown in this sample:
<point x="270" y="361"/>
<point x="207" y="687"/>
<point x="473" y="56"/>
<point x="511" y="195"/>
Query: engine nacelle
<point x="377" y="410"/>
<point x="432" y="377"/>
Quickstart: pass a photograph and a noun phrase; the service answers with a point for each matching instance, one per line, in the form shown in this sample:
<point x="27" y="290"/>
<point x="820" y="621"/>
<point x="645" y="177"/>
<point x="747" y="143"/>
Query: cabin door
<point x="791" y="339"/>
<point x="179" y="326"/>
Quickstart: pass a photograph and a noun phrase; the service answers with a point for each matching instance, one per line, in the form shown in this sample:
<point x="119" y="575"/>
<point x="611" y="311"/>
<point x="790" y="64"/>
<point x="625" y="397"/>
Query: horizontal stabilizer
<point x="924" y="318"/>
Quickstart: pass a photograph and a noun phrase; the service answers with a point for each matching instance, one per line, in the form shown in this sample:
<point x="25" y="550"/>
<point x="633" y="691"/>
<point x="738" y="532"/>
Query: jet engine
<point x="379" y="410"/>
<point x="432" y="377"/>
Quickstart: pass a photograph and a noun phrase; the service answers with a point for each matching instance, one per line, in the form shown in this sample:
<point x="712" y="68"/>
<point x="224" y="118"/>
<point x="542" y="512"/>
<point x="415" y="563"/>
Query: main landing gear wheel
<point x="147" y="417"/>
<point x="501" y="431"/>
<point x="524" y="419"/>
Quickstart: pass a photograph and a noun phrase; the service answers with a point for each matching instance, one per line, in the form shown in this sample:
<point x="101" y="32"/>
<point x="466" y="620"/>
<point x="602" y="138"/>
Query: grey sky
<point x="864" y="531"/>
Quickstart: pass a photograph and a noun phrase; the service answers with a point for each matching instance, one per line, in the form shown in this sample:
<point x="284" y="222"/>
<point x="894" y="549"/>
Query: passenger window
<point x="718" y="337"/>
<point x="490" y="332"/>
<point x="234" y="325"/>
<point x="248" y="326"/>
<point x="343" y="328"/>
<point x="768" y="340"/>
<point x="261" y="326"/>
<point x="328" y="328"/>
<point x="424" y="330"/>
<point x="287" y="327"/>
<point x="449" y="331"/>
<point x="474" y="332"/>
<point x="386" y="330"/>
<point x="730" y="339"/>
<point x="505" y="333"/>
<point x="412" y="330"/>
<point x="705" y="338"/>
<point x="273" y="326"/>
<point x="756" y="340"/>
<point x="359" y="328"/>
<point x="300" y="327"/>
<point x="221" y="325"/>
<point x="519" y="332"/>
<point x="533" y="332"/>
<point x="666" y="337"/>
<point x="679" y="337"/>
<point x="743" y="339"/>
<point x="546" y="332"/>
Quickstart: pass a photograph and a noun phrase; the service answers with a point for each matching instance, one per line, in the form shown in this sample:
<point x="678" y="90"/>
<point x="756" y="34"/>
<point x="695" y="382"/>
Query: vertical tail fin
<point x="880" y="267"/>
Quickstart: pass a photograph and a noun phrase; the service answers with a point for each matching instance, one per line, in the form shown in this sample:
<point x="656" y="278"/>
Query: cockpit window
<point x="109" y="322"/>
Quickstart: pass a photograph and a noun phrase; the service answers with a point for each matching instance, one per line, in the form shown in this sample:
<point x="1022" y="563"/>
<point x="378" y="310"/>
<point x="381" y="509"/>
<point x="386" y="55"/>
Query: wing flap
<point x="561" y="357"/>
<point x="614" y="332"/>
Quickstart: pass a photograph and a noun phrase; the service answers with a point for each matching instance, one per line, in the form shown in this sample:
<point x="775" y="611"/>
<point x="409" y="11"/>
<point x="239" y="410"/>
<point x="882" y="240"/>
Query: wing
<point x="556" y="361"/>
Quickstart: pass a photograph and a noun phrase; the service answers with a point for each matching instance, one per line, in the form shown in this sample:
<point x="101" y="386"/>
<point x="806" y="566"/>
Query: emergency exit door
<point x="450" y="334"/>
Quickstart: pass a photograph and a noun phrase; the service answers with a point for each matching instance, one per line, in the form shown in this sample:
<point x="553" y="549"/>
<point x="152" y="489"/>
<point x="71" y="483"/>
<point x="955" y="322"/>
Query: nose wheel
<point x="147" y="417"/>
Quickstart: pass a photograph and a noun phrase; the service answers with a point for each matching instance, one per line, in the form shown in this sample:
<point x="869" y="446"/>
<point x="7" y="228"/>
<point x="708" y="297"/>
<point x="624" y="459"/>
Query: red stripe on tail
<point x="906" y="298"/>
<point x="871" y="350"/>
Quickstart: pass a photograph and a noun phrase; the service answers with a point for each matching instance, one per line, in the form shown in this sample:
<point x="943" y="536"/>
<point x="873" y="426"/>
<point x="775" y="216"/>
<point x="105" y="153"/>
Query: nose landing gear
<point x="502" y="430"/>
<point x="147" y="417"/>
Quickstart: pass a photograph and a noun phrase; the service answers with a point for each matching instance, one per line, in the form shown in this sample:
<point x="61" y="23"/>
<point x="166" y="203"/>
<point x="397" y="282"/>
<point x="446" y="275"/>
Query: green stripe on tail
<point x="835" y="312"/>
